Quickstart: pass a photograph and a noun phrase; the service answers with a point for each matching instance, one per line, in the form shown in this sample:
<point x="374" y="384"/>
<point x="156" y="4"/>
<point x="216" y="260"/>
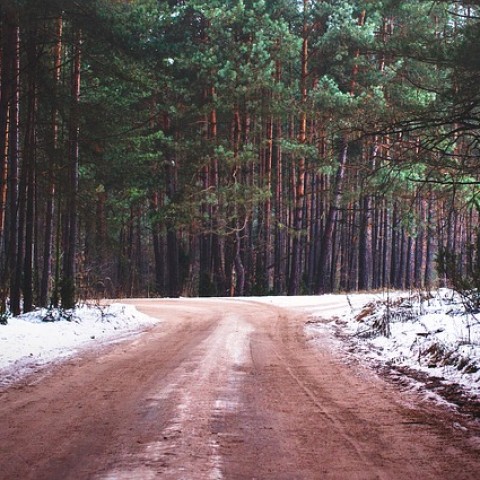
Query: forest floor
<point x="228" y="389"/>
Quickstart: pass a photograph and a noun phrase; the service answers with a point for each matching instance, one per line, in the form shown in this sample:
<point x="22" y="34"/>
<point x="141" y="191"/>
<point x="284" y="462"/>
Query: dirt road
<point x="224" y="390"/>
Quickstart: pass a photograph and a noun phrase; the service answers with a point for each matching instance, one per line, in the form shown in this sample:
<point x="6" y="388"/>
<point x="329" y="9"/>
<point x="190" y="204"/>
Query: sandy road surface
<point x="223" y="390"/>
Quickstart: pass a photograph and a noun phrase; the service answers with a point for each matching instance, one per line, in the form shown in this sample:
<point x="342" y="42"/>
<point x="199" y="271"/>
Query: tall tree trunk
<point x="206" y="287"/>
<point x="311" y="254"/>
<point x="365" y="242"/>
<point x="158" y="250"/>
<point x="420" y="245"/>
<point x="432" y="242"/>
<point x="280" y="241"/>
<point x="172" y="261"/>
<point x="395" y="245"/>
<point x="13" y="33"/>
<point x="386" y="239"/>
<point x="29" y="166"/>
<point x="325" y="257"/>
<point x="366" y="259"/>
<point x="218" y="274"/>
<point x="53" y="161"/>
<point x="238" y="267"/>
<point x="295" y="270"/>
<point x="7" y="79"/>
<point x="68" y="292"/>
<point x="172" y="247"/>
<point x="268" y="237"/>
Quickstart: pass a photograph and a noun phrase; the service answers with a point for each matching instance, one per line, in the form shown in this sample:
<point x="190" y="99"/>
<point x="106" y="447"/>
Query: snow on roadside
<point x="433" y="335"/>
<point x="29" y="342"/>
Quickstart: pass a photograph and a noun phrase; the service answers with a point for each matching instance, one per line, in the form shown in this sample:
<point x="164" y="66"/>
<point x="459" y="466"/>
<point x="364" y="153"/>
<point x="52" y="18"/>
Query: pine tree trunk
<point x="238" y="268"/>
<point x="53" y="160"/>
<point x="158" y="250"/>
<point x="296" y="260"/>
<point x="68" y="289"/>
<point x="13" y="33"/>
<point x="217" y="265"/>
<point x="325" y="257"/>
<point x="367" y="261"/>
<point x="172" y="248"/>
<point x="387" y="244"/>
<point x="432" y="245"/>
<point x="311" y="254"/>
<point x="395" y="246"/>
<point x="206" y="287"/>
<point x="352" y="248"/>
<point x="172" y="243"/>
<point x="280" y="242"/>
<point x="268" y="248"/>
<point x="364" y="252"/>
<point x="29" y="166"/>
<point x="7" y="81"/>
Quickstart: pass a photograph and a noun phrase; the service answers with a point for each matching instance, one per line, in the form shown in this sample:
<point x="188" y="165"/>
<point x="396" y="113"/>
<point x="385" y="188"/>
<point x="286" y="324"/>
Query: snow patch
<point x="31" y="341"/>
<point x="431" y="334"/>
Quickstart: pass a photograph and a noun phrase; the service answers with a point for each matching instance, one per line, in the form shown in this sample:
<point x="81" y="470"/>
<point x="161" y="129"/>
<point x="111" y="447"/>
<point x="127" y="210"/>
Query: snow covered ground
<point x="430" y="338"/>
<point x="430" y="334"/>
<point x="31" y="341"/>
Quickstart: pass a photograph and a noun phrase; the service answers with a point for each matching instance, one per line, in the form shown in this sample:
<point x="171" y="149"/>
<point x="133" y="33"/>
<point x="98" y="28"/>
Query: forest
<point x="235" y="147"/>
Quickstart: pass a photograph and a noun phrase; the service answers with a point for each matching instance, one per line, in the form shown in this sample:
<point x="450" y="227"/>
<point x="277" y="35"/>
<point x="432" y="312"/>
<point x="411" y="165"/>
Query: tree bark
<point x="53" y="161"/>
<point x="6" y="83"/>
<point x="325" y="257"/>
<point x="296" y="261"/>
<point x="29" y="166"/>
<point x="13" y="32"/>
<point x="68" y="290"/>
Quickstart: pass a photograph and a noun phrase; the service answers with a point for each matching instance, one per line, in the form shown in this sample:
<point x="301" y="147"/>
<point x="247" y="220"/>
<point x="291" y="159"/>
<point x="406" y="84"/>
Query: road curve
<point x="223" y="389"/>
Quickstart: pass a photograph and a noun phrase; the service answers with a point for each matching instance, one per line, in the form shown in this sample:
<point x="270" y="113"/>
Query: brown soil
<point x="225" y="389"/>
